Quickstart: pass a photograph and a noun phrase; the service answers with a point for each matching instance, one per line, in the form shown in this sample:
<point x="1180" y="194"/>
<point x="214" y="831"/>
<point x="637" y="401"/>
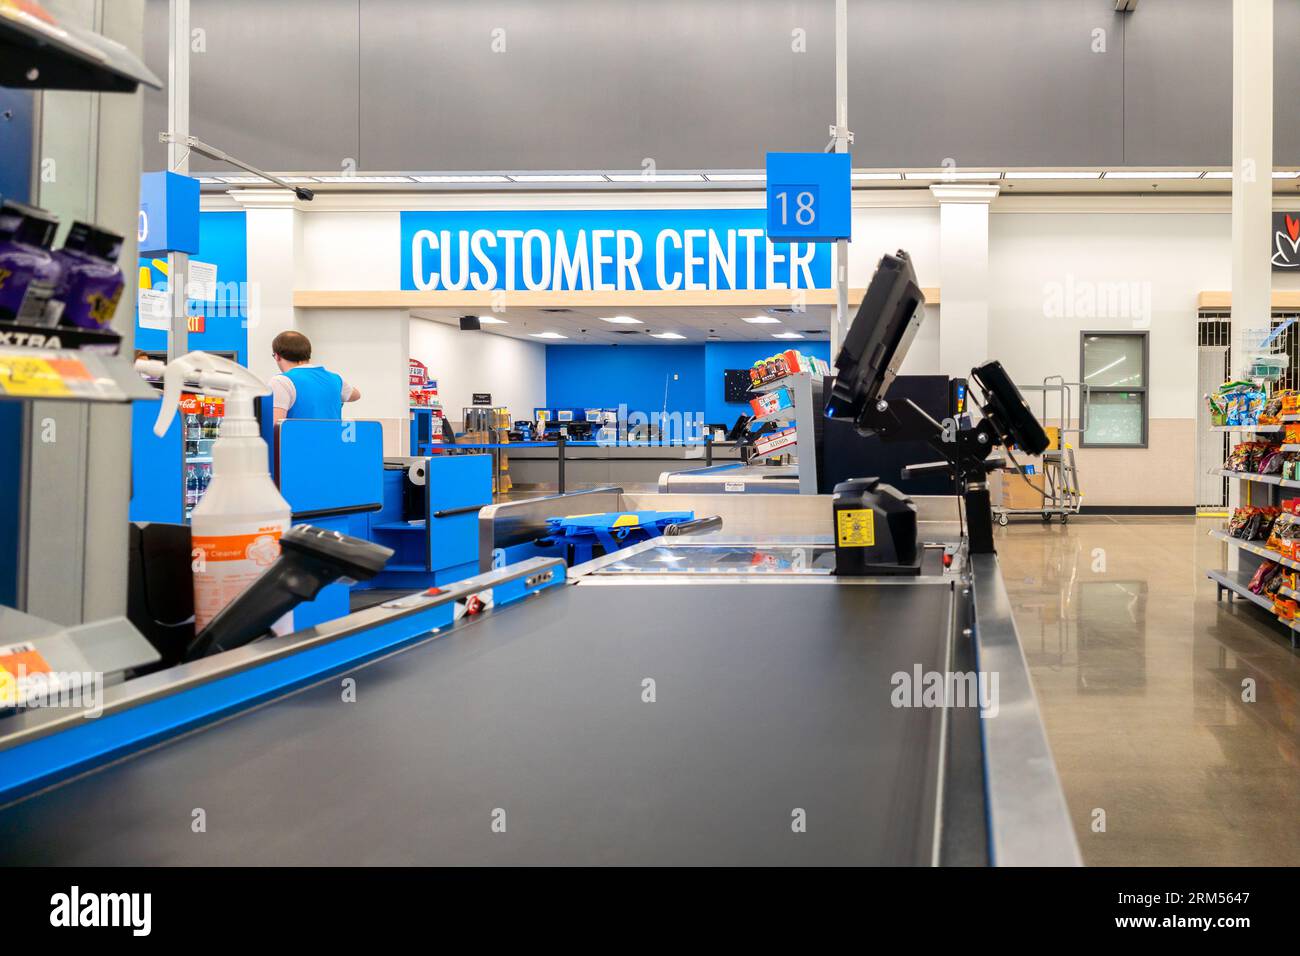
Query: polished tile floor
<point x="1139" y="674"/>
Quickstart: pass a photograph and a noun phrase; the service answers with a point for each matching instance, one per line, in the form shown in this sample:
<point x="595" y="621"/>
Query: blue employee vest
<point x="319" y="393"/>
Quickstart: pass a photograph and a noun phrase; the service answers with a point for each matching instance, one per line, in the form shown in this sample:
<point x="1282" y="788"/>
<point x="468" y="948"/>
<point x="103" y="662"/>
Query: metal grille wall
<point x="1214" y="365"/>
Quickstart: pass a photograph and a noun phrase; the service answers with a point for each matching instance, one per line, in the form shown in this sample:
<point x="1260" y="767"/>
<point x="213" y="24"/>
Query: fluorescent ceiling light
<point x="761" y="320"/>
<point x="241" y="180"/>
<point x="735" y="177"/>
<point x="1147" y="174"/>
<point x="655" y="177"/>
<point x="208" y="180"/>
<point x="362" y="179"/>
<point x="621" y="320"/>
<point x="489" y="320"/>
<point x="1277" y="174"/>
<point x="786" y="335"/>
<point x="558" y="178"/>
<point x="954" y="175"/>
<point x="475" y="178"/>
<point x="864" y="177"/>
<point x="666" y="335"/>
<point x="1051" y="174"/>
<point x="547" y="335"/>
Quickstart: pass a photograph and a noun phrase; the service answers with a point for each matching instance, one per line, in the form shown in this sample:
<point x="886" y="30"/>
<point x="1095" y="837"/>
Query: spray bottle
<point x="236" y="527"/>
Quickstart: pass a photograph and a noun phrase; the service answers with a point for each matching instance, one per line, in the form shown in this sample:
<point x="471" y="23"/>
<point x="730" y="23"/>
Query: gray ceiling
<point x="606" y="84"/>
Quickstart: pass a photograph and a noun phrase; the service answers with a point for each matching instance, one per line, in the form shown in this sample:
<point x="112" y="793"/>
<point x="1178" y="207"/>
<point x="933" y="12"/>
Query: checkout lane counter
<point x="772" y="694"/>
<point x="723" y="699"/>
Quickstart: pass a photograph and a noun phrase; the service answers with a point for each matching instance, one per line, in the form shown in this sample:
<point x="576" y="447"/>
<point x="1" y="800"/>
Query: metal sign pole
<point x="842" y="140"/>
<point x="178" y="161"/>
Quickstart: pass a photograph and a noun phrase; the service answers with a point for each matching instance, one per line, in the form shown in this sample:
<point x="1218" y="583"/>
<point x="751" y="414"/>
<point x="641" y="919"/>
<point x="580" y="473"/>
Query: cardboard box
<point x="1017" y="494"/>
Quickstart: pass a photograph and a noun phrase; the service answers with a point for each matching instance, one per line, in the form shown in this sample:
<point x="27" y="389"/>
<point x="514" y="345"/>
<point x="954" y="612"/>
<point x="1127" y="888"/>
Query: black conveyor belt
<point x="769" y="698"/>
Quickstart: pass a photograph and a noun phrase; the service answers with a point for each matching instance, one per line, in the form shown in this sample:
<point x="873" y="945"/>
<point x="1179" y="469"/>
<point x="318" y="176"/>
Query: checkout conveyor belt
<point x="764" y="707"/>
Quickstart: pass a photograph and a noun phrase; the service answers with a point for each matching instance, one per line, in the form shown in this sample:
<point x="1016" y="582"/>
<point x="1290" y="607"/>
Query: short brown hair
<point x="292" y="346"/>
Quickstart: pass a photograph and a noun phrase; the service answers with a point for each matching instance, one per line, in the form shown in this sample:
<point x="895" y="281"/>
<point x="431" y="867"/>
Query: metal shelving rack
<point x="1251" y="554"/>
<point x="806" y="394"/>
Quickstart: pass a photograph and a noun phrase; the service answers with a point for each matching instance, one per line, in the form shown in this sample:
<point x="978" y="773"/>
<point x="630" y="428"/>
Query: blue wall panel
<point x="720" y="356"/>
<point x="606" y="376"/>
<point x="223" y="241"/>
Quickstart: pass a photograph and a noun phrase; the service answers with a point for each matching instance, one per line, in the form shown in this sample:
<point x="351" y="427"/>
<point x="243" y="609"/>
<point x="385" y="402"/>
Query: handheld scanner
<point x="310" y="559"/>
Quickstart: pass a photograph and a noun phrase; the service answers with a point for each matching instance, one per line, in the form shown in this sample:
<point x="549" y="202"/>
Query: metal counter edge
<point x="1029" y="821"/>
<point x="42" y="747"/>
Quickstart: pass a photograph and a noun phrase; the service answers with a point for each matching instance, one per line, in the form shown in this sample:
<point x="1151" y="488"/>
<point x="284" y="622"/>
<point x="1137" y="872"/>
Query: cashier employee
<point x="304" y="390"/>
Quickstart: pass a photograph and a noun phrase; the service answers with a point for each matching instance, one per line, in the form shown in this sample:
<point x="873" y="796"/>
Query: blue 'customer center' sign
<point x="604" y="250"/>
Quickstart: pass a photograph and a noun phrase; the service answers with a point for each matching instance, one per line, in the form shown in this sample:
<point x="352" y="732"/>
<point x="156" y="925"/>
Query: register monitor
<point x="868" y="361"/>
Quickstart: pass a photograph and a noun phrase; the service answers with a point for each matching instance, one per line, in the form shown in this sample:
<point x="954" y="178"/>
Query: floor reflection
<point x="1175" y="716"/>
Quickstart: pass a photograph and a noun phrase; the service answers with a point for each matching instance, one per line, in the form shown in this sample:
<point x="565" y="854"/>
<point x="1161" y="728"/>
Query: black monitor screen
<point x="877" y="341"/>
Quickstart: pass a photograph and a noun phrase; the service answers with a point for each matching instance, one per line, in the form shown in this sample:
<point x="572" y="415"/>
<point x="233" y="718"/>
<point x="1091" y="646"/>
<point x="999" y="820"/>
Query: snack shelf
<point x="1236" y="582"/>
<point x="1257" y="478"/>
<point x="1254" y="476"/>
<point x="1255" y="548"/>
<point x="1251" y="429"/>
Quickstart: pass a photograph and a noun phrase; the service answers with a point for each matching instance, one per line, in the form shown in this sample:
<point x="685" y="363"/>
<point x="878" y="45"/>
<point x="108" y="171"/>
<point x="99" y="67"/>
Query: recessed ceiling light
<point x="1052" y="174"/>
<point x="1285" y="174"/>
<point x="547" y="335"/>
<point x="761" y="320"/>
<point x="1148" y="174"/>
<point x="557" y="177"/>
<point x="489" y="320"/>
<point x="621" y="320"/>
<point x="735" y="177"/>
<point x="666" y="335"/>
<point x="475" y="178"/>
<point x="864" y="177"/>
<point x="649" y="177"/>
<point x="786" y="335"/>
<point x="955" y="174"/>
<point x="1219" y="174"/>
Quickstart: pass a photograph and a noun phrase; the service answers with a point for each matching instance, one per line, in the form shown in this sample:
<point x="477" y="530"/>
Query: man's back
<point x="317" y="392"/>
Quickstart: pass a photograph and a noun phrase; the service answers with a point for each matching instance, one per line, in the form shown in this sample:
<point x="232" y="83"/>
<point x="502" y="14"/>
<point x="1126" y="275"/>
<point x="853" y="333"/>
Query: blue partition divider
<point x="330" y="472"/>
<point x="157" y="479"/>
<point x="331" y="467"/>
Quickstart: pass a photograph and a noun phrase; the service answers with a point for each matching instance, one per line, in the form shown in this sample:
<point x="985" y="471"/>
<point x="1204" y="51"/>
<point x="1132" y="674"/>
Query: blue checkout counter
<point x="334" y="475"/>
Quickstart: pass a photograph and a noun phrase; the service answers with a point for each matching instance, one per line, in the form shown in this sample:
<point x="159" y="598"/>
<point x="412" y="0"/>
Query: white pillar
<point x="1252" y="171"/>
<point x="1252" y="187"/>
<point x="963" y="275"/>
<point x="274" y="242"/>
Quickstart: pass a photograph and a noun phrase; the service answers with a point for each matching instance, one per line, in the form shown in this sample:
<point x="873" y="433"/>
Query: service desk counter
<point x="589" y="464"/>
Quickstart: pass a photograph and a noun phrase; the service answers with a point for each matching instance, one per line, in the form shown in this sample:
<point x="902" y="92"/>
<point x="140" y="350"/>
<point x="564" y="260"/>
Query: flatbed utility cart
<point x="1061" y="492"/>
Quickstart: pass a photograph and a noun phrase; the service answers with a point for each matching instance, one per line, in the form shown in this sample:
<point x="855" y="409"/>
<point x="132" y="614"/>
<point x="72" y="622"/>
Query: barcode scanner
<point x="310" y="559"/>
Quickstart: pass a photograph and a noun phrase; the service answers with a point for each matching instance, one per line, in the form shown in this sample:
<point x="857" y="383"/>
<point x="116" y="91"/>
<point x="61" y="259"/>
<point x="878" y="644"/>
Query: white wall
<point x="1165" y="259"/>
<point x="370" y="348"/>
<point x="514" y="372"/>
<point x="914" y="229"/>
<point x="351" y="250"/>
